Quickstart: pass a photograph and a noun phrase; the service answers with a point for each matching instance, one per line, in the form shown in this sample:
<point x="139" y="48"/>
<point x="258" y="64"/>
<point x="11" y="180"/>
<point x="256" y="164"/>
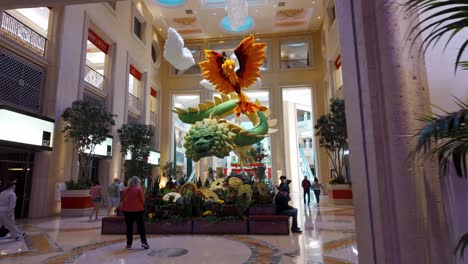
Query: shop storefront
<point x="21" y="135"/>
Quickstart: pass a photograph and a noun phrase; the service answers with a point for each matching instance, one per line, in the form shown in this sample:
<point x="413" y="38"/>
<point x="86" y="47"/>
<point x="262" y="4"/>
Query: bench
<point x="269" y="224"/>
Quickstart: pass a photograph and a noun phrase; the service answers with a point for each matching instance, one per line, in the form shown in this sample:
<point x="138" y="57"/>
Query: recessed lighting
<point x="256" y="10"/>
<point x="313" y="2"/>
<point x="160" y="29"/>
<point x="274" y="5"/>
<point x="214" y="14"/>
<point x="318" y="17"/>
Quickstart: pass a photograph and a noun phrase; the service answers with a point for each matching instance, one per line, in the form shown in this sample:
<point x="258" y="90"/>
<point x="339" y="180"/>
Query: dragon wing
<point x="213" y="72"/>
<point x="250" y="56"/>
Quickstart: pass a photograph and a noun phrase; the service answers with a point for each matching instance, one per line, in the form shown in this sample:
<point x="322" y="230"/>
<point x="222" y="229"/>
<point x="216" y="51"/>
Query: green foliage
<point x="136" y="140"/>
<point x="87" y="126"/>
<point x="331" y="130"/>
<point x="461" y="245"/>
<point x="78" y="185"/>
<point x="443" y="17"/>
<point x="446" y="136"/>
<point x="258" y="152"/>
<point x="242" y="204"/>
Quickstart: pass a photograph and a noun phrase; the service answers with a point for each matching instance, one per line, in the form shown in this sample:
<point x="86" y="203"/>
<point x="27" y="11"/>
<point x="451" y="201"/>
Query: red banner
<point x="338" y="62"/>
<point x="135" y="73"/>
<point x="97" y="41"/>
<point x="153" y="92"/>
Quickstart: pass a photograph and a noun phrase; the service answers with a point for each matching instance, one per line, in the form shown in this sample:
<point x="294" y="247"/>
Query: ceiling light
<point x="214" y="14"/>
<point x="15" y="169"/>
<point x="313" y="2"/>
<point x="274" y="5"/>
<point x="160" y="29"/>
<point x="249" y="24"/>
<point x="318" y="17"/>
<point x="171" y="3"/>
<point x="237" y="11"/>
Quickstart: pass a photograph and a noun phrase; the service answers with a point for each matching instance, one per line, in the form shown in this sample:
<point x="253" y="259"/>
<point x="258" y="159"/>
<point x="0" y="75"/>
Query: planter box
<point x="269" y="224"/>
<point x="166" y="227"/>
<point x="340" y="194"/>
<point x="221" y="227"/>
<point x="115" y="225"/>
<point x="76" y="203"/>
<point x="262" y="210"/>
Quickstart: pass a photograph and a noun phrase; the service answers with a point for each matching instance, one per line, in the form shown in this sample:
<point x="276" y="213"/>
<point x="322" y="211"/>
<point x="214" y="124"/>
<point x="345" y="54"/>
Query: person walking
<point x="282" y="207"/>
<point x="316" y="187"/>
<point x="96" y="197"/>
<point x="113" y="196"/>
<point x="306" y="186"/>
<point x="132" y="205"/>
<point x="7" y="211"/>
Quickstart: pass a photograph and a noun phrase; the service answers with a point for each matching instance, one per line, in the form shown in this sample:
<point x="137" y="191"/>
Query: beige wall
<point x="66" y="81"/>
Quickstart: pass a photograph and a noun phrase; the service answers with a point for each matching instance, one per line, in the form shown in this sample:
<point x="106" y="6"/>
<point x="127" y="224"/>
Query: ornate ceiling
<point x="198" y="19"/>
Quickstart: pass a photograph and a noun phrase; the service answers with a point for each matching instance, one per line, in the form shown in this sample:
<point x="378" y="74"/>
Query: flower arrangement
<point x="223" y="199"/>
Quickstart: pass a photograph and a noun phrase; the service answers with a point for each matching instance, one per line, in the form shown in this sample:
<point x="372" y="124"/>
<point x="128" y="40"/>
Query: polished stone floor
<point x="328" y="237"/>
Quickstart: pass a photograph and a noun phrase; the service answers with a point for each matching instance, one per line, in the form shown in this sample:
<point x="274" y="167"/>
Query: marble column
<point x="399" y="216"/>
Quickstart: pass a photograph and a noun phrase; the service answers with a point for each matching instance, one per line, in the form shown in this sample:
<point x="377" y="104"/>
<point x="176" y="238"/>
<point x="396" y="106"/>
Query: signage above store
<point x="27" y="129"/>
<point x="97" y="41"/>
<point x="104" y="149"/>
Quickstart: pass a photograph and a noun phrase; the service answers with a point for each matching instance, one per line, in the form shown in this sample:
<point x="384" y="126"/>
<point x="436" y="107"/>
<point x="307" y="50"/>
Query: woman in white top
<point x="7" y="210"/>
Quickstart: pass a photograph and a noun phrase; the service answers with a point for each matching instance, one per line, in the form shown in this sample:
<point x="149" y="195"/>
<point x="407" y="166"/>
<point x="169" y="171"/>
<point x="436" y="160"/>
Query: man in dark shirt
<point x="306" y="186"/>
<point x="282" y="207"/>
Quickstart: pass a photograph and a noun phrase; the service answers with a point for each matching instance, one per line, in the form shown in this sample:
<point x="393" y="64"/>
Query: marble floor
<point x="328" y="237"/>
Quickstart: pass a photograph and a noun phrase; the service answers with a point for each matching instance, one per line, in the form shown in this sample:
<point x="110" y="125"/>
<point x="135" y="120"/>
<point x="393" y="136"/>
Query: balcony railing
<point x="93" y="77"/>
<point x="134" y="101"/>
<point x="23" y="34"/>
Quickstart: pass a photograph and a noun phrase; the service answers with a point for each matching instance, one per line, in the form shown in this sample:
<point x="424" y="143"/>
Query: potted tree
<point x="135" y="140"/>
<point x="86" y="126"/>
<point x="332" y="134"/>
<point x="445" y="136"/>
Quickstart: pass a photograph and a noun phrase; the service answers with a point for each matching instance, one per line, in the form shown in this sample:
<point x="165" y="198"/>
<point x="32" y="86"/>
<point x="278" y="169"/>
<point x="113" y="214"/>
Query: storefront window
<point x="96" y="59"/>
<point x="180" y="129"/>
<point x="295" y="54"/>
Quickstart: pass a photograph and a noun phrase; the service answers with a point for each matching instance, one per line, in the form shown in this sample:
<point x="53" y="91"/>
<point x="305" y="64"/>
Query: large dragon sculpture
<point x="210" y="134"/>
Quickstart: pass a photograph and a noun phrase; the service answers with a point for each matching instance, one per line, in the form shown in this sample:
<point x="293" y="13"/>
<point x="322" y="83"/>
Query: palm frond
<point x="444" y="17"/>
<point x="463" y="65"/>
<point x="461" y="245"/>
<point x="447" y="138"/>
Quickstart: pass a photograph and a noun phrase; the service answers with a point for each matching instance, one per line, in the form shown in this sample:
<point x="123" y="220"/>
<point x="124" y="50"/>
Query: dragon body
<point x="211" y="135"/>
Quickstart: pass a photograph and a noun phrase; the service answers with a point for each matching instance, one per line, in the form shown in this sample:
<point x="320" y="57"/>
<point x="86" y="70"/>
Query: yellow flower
<point x="207" y="213"/>
<point x="220" y="201"/>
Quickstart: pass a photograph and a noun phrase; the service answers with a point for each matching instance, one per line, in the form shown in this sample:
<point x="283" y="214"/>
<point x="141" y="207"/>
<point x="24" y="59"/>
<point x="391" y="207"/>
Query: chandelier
<point x="237" y="12"/>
